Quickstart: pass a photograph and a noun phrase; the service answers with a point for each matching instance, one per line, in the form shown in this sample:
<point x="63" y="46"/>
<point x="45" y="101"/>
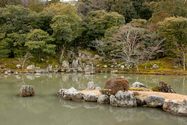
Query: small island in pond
<point x="117" y="93"/>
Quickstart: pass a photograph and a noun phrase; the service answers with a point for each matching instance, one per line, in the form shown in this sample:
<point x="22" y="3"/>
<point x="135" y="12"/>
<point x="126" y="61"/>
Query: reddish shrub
<point x="116" y="84"/>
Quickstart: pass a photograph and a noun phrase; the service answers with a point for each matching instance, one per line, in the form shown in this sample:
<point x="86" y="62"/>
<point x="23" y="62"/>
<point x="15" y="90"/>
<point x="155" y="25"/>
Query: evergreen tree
<point x="99" y="21"/>
<point x="38" y="42"/>
<point x="4" y="50"/>
<point x="123" y="7"/>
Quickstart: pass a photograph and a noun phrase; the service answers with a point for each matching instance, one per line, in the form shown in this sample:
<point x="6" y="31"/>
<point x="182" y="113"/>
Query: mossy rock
<point x="105" y="91"/>
<point x="116" y="84"/>
<point x="155" y="88"/>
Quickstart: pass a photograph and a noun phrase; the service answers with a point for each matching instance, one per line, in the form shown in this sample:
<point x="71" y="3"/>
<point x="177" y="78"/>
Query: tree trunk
<point x="137" y="68"/>
<point x="39" y="56"/>
<point x="184" y="65"/>
<point x="62" y="52"/>
<point x="23" y="64"/>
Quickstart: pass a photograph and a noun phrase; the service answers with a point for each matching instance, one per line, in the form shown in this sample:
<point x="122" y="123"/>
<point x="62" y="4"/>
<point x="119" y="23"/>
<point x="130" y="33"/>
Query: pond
<point x="45" y="108"/>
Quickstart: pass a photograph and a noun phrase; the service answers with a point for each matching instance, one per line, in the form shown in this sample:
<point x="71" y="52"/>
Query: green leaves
<point x="174" y="29"/>
<point x="15" y="19"/>
<point x="37" y="42"/>
<point x="99" y="21"/>
<point x="62" y="28"/>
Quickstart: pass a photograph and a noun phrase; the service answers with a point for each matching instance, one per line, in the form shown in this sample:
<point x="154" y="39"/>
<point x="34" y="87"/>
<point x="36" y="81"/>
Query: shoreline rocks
<point x="123" y="99"/>
<point x="154" y="101"/>
<point x="173" y="107"/>
<point x="90" y="97"/>
<point x="103" y="99"/>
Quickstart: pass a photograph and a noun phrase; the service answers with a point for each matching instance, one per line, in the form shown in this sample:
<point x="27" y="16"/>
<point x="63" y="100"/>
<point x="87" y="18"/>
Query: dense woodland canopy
<point x="135" y="31"/>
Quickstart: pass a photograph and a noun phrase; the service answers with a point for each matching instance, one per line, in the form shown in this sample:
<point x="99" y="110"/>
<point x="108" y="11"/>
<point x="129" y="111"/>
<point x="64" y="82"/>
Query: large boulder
<point x="140" y="101"/>
<point x="173" y="107"/>
<point x="97" y="88"/>
<point x="79" y="69"/>
<point x="26" y="90"/>
<point x="123" y="99"/>
<point x="155" y="66"/>
<point x="90" y="86"/>
<point x="87" y="68"/>
<point x="90" y="97"/>
<point x="77" y="97"/>
<point x="18" y="66"/>
<point x="103" y="99"/>
<point x="154" y="101"/>
<point x="31" y="67"/>
<point x="116" y="84"/>
<point x="67" y="93"/>
<point x="163" y="87"/>
<point x="75" y="63"/>
<point x="138" y="85"/>
<point x="65" y="64"/>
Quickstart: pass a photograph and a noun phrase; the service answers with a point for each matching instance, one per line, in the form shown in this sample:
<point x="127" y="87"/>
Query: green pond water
<point x="45" y="108"/>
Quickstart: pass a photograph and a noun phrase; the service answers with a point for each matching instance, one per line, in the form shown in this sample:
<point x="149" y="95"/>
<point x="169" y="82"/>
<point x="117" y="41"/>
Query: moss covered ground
<point x="165" y="65"/>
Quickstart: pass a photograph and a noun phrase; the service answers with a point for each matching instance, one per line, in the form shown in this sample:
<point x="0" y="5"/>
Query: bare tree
<point x="27" y="56"/>
<point x="153" y="46"/>
<point x="181" y="52"/>
<point x="99" y="45"/>
<point x="130" y="45"/>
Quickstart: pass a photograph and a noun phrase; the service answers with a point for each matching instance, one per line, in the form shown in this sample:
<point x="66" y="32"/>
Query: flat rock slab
<point x="170" y="96"/>
<point x="91" y="91"/>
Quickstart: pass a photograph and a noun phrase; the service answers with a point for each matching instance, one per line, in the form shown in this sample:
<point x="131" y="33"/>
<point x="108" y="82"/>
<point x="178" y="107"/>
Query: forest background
<point x="134" y="32"/>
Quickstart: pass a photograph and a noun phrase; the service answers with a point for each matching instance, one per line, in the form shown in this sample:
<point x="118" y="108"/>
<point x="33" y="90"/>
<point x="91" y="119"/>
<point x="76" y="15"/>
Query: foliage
<point x="142" y="8"/>
<point x="64" y="9"/>
<point x="36" y="5"/>
<point x="3" y="3"/>
<point x="69" y="11"/>
<point x="4" y="50"/>
<point x="15" y="19"/>
<point x="99" y="21"/>
<point x="37" y="42"/>
<point x="42" y="20"/>
<point x="16" y="42"/>
<point x="155" y="88"/>
<point x="123" y="7"/>
<point x="174" y="29"/>
<point x="86" y="6"/>
<point x="142" y="23"/>
<point x="167" y="8"/>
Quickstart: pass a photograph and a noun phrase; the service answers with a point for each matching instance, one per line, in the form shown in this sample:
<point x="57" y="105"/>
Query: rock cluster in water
<point x="26" y="90"/>
<point x="123" y="99"/>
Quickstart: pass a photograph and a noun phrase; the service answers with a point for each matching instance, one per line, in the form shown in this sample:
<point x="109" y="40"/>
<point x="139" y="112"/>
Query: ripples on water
<point x="47" y="109"/>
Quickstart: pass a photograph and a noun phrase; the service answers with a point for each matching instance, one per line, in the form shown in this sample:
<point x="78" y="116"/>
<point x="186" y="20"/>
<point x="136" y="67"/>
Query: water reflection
<point x="45" y="108"/>
<point x="125" y="114"/>
<point x="79" y="81"/>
